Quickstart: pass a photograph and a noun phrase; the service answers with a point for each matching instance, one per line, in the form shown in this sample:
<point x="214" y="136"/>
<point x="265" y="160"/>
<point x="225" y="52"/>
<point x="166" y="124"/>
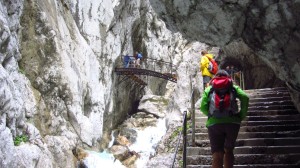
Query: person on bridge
<point x="126" y="61"/>
<point x="138" y="59"/>
<point x="207" y="75"/>
<point x="132" y="62"/>
<point x="224" y="117"/>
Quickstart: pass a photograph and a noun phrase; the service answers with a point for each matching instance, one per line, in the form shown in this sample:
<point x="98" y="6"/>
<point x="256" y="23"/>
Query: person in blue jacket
<point x="126" y="61"/>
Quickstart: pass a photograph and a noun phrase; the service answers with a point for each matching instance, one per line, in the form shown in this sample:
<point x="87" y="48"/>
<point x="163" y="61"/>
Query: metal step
<point x="270" y="128"/>
<point x="270" y="122"/>
<point x="247" y="135"/>
<point x="269" y="94"/>
<point x="272" y="112"/>
<point x="266" y="89"/>
<point x="260" y="128"/>
<point x="248" y="149"/>
<point x="255" y="123"/>
<point x="246" y="159"/>
<point x="271" y="107"/>
<point x="273" y="117"/>
<point x="268" y="99"/>
<point x="270" y="103"/>
<point x="284" y="141"/>
<point x="252" y="166"/>
<point x="203" y="119"/>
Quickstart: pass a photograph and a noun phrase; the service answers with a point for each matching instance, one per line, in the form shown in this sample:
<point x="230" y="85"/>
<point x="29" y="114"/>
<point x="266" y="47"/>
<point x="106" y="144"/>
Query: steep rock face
<point x="64" y="70"/>
<point x="58" y="84"/>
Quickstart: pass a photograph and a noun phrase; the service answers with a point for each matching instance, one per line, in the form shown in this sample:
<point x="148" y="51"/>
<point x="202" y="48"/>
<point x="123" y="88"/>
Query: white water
<point x="101" y="160"/>
<point x="112" y="139"/>
<point x="146" y="142"/>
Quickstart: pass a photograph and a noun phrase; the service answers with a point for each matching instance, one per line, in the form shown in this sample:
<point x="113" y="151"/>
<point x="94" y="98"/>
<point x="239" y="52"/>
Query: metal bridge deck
<point x="138" y="71"/>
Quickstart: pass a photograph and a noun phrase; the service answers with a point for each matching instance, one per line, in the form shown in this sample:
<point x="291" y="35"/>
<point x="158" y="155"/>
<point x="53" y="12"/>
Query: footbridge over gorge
<point x="130" y="69"/>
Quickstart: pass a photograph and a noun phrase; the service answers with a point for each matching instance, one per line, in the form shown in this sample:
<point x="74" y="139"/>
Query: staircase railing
<point x="184" y="141"/>
<point x="192" y="99"/>
<point x="184" y="130"/>
<point x="239" y="79"/>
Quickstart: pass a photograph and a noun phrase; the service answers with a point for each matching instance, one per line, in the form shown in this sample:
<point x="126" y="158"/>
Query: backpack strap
<point x="210" y="91"/>
<point x="208" y="57"/>
<point x="208" y="95"/>
<point x="233" y="90"/>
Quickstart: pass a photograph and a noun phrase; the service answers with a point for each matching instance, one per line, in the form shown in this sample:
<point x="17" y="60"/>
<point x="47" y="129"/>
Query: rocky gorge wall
<point x="58" y="57"/>
<point x="57" y="73"/>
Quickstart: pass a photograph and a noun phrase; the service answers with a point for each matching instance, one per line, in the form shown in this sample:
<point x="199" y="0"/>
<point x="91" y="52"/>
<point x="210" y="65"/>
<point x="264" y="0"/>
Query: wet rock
<point x="129" y="133"/>
<point x="120" y="152"/>
<point x="130" y="161"/>
<point x="122" y="140"/>
<point x="162" y="161"/>
<point x="80" y="154"/>
<point x="153" y="104"/>
<point x="140" y="120"/>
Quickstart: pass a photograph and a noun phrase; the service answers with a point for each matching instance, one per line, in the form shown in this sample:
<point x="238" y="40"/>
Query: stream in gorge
<point x="145" y="144"/>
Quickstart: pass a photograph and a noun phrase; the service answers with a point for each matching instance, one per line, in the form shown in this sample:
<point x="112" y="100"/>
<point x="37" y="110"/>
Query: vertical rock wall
<point x="57" y="73"/>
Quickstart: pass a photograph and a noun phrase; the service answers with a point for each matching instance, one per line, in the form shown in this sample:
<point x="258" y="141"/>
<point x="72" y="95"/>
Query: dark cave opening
<point x="250" y="74"/>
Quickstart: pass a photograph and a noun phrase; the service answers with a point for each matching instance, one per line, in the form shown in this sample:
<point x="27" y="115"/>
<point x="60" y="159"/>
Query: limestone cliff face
<point x="58" y="57"/>
<point x="57" y="73"/>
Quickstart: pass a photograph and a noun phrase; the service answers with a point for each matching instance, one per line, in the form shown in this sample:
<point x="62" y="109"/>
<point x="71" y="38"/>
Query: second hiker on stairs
<point x="224" y="118"/>
<point x="207" y="68"/>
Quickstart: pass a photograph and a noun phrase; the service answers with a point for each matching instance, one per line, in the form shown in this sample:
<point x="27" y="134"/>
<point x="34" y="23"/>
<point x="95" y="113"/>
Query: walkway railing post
<point x="193" y="119"/>
<point x="184" y="141"/>
<point x="241" y="84"/>
<point x="192" y="111"/>
<point x="243" y="80"/>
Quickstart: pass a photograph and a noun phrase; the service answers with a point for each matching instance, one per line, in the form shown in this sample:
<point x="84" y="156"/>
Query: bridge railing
<point x="150" y="64"/>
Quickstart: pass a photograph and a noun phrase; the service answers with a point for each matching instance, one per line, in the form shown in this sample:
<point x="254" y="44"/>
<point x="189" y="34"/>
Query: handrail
<point x="193" y="117"/>
<point x="184" y="130"/>
<point x="152" y="59"/>
<point x="184" y="142"/>
<point x="192" y="100"/>
<point x="151" y="63"/>
<point x="238" y="78"/>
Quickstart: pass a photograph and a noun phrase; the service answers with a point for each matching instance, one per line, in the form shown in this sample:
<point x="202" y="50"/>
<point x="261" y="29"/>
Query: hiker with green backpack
<point x="224" y="117"/>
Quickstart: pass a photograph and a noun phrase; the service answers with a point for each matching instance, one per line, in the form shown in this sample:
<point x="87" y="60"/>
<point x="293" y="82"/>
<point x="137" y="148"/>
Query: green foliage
<point x="19" y="139"/>
<point x="179" y="129"/>
<point x="176" y="132"/>
<point x="22" y="71"/>
<point x="180" y="162"/>
<point x="188" y="125"/>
